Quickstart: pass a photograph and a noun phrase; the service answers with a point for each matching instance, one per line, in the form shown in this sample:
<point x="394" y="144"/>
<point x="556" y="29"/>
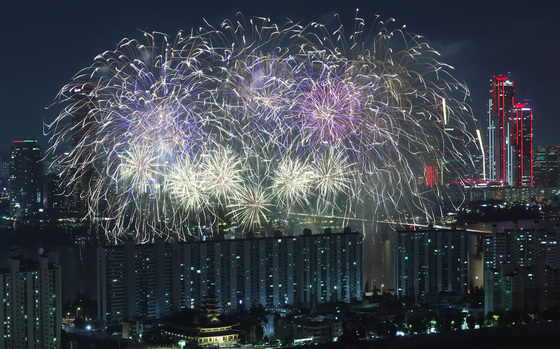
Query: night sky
<point x="44" y="43"/>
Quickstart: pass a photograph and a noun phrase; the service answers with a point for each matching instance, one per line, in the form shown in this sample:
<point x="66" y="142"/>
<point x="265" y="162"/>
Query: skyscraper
<point x="522" y="144"/>
<point x="329" y="268"/>
<point x="522" y="247"/>
<point x="510" y="135"/>
<point x="25" y="184"/>
<point x="500" y="108"/>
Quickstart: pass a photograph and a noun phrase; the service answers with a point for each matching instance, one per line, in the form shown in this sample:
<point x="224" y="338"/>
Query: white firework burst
<point x="251" y="207"/>
<point x="292" y="182"/>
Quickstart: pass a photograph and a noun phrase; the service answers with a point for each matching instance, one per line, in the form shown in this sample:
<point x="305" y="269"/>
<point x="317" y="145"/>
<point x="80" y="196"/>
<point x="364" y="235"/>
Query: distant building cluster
<point x="521" y="266"/>
<point x="508" y="165"/>
<point x="155" y="280"/>
<point x="503" y="153"/>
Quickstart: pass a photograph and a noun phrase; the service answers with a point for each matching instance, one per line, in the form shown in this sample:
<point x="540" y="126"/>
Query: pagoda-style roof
<point x="208" y="328"/>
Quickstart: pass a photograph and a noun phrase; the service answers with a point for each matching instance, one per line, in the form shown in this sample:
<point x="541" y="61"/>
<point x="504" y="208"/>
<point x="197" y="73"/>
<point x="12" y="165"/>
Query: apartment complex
<point x="154" y="280"/>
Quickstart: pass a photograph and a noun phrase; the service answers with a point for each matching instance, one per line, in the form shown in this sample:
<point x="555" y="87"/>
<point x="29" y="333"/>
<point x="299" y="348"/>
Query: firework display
<point x="249" y="119"/>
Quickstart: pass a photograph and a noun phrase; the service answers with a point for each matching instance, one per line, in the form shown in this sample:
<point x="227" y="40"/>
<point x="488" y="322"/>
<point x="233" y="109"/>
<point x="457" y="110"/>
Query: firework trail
<point x="246" y="120"/>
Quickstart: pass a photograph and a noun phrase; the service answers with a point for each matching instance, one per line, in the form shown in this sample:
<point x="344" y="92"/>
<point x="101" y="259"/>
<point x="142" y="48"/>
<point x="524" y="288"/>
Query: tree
<point x="79" y="322"/>
<point x="417" y="325"/>
<point x="443" y="324"/>
<point x="259" y="332"/>
<point x="480" y="320"/>
<point x="349" y="335"/>
<point x="258" y="311"/>
<point x="551" y="313"/>
<point x="458" y="321"/>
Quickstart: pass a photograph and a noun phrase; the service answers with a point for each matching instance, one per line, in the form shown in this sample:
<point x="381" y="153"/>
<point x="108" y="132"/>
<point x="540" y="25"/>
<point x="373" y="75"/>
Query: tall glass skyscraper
<point x="25" y="184"/>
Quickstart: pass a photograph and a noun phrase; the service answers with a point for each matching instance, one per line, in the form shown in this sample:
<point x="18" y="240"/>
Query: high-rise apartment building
<point x="528" y="289"/>
<point x="31" y="308"/>
<point x="510" y="135"/>
<point x="431" y="260"/>
<point x="134" y="281"/>
<point x="522" y="247"/>
<point x="519" y="263"/>
<point x="152" y="281"/>
<point x="329" y="268"/>
<point x="25" y="184"/>
<point x="547" y="166"/>
<point x="241" y="273"/>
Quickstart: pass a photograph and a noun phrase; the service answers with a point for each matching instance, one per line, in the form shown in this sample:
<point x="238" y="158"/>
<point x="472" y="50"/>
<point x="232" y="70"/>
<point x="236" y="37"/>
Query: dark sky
<point x="44" y="43"/>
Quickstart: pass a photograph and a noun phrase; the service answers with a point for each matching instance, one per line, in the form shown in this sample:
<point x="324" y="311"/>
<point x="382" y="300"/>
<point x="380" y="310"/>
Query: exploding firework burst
<point x="236" y="123"/>
<point x="292" y="181"/>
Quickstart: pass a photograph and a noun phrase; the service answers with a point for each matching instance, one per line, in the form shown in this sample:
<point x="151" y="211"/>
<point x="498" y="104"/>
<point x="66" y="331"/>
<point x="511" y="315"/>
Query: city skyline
<point x="53" y="41"/>
<point x="288" y="156"/>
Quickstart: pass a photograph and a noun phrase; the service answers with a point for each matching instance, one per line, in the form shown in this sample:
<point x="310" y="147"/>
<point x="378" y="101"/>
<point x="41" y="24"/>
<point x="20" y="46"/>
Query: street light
<point x="77" y="309"/>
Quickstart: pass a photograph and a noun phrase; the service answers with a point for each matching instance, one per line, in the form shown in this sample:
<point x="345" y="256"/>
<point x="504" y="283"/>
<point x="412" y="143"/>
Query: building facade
<point x="521" y="268"/>
<point x="134" y="281"/>
<point x="431" y="260"/>
<point x="547" y="166"/>
<point x="329" y="268"/>
<point x="522" y="145"/>
<point x="500" y="107"/>
<point x="31" y="309"/>
<point x="25" y="184"/>
<point x="521" y="247"/>
<point x="529" y="289"/>
<point x="275" y="272"/>
<point x="241" y="273"/>
<point x="510" y="135"/>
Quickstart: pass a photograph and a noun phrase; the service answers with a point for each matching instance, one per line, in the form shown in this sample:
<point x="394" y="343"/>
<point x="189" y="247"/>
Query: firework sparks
<point x="186" y="183"/>
<point x="251" y="205"/>
<point x="223" y="171"/>
<point x="243" y="122"/>
<point x="292" y="182"/>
